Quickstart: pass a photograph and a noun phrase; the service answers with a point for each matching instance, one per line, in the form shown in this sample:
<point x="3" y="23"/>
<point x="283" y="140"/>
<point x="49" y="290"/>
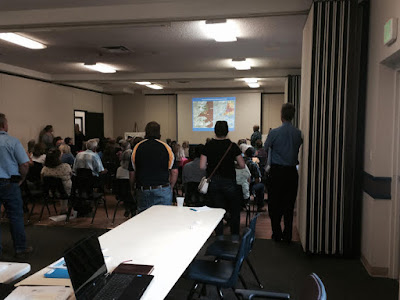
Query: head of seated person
<point x="53" y="158"/>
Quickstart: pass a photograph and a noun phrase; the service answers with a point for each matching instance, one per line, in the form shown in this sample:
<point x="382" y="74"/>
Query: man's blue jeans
<point x="10" y="197"/>
<point x="148" y="198"/>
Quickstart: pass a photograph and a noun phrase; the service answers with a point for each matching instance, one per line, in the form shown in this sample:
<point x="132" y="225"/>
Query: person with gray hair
<point x="14" y="165"/>
<point x="123" y="174"/>
<point x="89" y="159"/>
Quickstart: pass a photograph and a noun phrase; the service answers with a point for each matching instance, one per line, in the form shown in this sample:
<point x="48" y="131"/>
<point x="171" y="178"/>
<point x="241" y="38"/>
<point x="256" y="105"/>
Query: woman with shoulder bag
<point x="218" y="159"/>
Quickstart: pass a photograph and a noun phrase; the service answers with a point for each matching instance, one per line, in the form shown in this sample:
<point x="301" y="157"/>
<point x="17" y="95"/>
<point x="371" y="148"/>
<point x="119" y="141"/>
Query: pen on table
<point x="125" y="261"/>
<point x="193" y="209"/>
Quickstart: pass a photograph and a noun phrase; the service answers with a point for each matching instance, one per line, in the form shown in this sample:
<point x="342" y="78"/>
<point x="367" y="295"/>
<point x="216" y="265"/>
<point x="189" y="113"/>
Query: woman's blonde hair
<point x="65" y="148"/>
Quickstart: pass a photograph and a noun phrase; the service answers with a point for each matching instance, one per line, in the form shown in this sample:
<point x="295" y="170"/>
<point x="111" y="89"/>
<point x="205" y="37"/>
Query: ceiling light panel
<point x="254" y="85"/>
<point x="155" y="86"/>
<point x="143" y="82"/>
<point x="21" y="41"/>
<point x="241" y="64"/>
<point x="99" y="67"/>
<point x="221" y="30"/>
<point x="250" y="80"/>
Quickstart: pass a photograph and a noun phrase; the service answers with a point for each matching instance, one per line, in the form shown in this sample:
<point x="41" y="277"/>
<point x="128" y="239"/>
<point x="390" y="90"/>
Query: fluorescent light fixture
<point x="221" y="30"/>
<point x="253" y="85"/>
<point x="155" y="86"/>
<point x="21" y="40"/>
<point x="103" y="68"/>
<point x="251" y="80"/>
<point x="241" y="64"/>
<point x="143" y="82"/>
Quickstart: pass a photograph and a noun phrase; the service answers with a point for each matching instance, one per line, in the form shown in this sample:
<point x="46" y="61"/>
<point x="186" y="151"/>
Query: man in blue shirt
<point x="13" y="169"/>
<point x="284" y="143"/>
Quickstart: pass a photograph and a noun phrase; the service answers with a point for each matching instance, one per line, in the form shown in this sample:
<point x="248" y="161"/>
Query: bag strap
<point x="215" y="169"/>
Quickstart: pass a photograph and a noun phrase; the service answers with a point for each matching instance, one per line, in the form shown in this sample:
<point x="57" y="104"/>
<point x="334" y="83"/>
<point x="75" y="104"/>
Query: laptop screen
<point x="85" y="263"/>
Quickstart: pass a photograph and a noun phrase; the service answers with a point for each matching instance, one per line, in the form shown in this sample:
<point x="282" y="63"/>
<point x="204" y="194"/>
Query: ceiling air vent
<point x="116" y="50"/>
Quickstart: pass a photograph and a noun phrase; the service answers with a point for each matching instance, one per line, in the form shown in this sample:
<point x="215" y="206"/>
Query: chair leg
<point x="41" y="212"/>
<point x="115" y="212"/>
<point x="54" y="205"/>
<point x="237" y="297"/>
<point x="47" y="206"/>
<point x="30" y="214"/>
<point x="220" y="294"/>
<point x="69" y="212"/>
<point x="105" y="206"/>
<point x="95" y="210"/>
<point x="254" y="273"/>
<point x="243" y="282"/>
<point x="192" y="290"/>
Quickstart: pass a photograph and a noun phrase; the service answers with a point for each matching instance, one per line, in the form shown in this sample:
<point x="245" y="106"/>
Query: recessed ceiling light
<point x="99" y="67"/>
<point x="250" y="80"/>
<point x="155" y="86"/>
<point x="143" y="82"/>
<point x="221" y="30"/>
<point x="21" y="41"/>
<point x="241" y="64"/>
<point x="253" y="85"/>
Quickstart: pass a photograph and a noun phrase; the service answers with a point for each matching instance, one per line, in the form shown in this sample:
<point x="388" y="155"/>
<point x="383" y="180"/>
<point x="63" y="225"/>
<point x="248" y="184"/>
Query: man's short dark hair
<point x="256" y="128"/>
<point x="152" y="130"/>
<point x="287" y="111"/>
<point x="221" y="129"/>
<point x="3" y="120"/>
<point x="250" y="152"/>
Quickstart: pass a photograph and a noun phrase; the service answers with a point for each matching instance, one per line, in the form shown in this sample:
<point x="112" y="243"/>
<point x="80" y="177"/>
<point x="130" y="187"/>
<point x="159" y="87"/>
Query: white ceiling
<point x="166" y="40"/>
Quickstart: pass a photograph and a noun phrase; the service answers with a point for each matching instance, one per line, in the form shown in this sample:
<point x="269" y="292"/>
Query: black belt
<point x="152" y="187"/>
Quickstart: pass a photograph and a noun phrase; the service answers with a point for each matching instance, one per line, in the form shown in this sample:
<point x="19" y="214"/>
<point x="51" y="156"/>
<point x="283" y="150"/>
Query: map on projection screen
<point x="207" y="111"/>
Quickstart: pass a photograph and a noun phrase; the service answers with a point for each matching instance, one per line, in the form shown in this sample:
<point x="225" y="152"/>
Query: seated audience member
<point x="135" y="141"/>
<point x="53" y="167"/>
<point x="89" y="159"/>
<point x="262" y="156"/>
<point x="242" y="143"/>
<point x="38" y="154"/>
<point x="256" y="185"/>
<point x="191" y="177"/>
<point x="29" y="151"/>
<point x="124" y="145"/>
<point x="69" y="141"/>
<point x="123" y="173"/>
<point x="57" y="141"/>
<point x="185" y="147"/>
<point x="255" y="136"/>
<point x="66" y="155"/>
<point x="168" y="141"/>
<point x="243" y="177"/>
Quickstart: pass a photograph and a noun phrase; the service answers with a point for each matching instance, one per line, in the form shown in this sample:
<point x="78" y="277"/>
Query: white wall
<point x="248" y="112"/>
<point x="271" y="111"/>
<point x="142" y="109"/>
<point x="30" y="105"/>
<point x="377" y="215"/>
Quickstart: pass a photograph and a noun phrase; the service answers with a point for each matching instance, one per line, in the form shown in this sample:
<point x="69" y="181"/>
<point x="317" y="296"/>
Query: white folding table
<point x="11" y="271"/>
<point x="168" y="237"/>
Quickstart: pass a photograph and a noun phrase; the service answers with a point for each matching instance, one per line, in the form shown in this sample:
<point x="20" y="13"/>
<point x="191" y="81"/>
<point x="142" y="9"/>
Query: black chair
<point x="83" y="191"/>
<point x="192" y="195"/>
<point x="312" y="289"/>
<point x="53" y="189"/>
<point x="222" y="274"/>
<point x="122" y="192"/>
<point x="227" y="250"/>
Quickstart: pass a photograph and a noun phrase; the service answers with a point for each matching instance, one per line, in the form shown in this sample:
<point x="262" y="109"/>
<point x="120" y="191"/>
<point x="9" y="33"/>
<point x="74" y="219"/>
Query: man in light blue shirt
<point x="89" y="159"/>
<point x="283" y="145"/>
<point x="13" y="169"/>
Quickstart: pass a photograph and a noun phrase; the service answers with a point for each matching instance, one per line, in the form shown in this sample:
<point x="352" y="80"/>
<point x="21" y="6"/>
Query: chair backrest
<point x="252" y="227"/>
<point x="55" y="186"/>
<point x="34" y="172"/>
<point x="83" y="182"/>
<point x="240" y="257"/>
<point x="312" y="288"/>
<point x="121" y="187"/>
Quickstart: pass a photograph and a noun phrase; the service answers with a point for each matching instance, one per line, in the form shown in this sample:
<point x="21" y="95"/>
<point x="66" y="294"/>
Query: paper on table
<point x="59" y="264"/>
<point x="4" y="266"/>
<point x="203" y="208"/>
<point x="40" y="293"/>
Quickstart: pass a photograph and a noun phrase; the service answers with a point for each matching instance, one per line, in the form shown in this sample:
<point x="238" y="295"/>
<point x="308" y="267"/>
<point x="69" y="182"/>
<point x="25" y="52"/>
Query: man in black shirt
<point x="152" y="169"/>
<point x="256" y="135"/>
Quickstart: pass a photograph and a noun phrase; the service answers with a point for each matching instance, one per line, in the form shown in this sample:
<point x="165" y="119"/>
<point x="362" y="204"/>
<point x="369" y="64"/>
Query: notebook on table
<point x="90" y="280"/>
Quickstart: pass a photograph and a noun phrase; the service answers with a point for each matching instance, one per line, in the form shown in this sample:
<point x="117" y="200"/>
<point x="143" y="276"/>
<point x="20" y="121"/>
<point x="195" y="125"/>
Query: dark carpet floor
<point x="281" y="267"/>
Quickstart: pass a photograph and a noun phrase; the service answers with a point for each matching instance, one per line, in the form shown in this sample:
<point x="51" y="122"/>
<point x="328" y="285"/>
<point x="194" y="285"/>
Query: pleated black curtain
<point x="335" y="126"/>
<point x="293" y="95"/>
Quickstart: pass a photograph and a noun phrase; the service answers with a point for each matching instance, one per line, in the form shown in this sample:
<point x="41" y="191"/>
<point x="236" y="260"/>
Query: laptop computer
<point x="90" y="280"/>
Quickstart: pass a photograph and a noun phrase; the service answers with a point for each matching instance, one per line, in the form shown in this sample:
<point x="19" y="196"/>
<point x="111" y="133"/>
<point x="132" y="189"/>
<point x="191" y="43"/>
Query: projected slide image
<point x="207" y="111"/>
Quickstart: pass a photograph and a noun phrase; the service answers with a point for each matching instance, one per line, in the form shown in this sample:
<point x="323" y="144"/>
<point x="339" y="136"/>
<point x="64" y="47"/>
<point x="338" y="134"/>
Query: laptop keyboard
<point x="115" y="287"/>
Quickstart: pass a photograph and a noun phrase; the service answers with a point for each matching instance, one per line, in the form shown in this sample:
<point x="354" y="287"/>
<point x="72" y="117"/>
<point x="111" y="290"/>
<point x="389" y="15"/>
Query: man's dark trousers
<point x="281" y="198"/>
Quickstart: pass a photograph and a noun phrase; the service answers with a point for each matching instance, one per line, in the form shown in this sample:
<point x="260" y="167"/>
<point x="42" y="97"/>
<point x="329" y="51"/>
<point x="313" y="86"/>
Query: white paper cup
<point x="179" y="201"/>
